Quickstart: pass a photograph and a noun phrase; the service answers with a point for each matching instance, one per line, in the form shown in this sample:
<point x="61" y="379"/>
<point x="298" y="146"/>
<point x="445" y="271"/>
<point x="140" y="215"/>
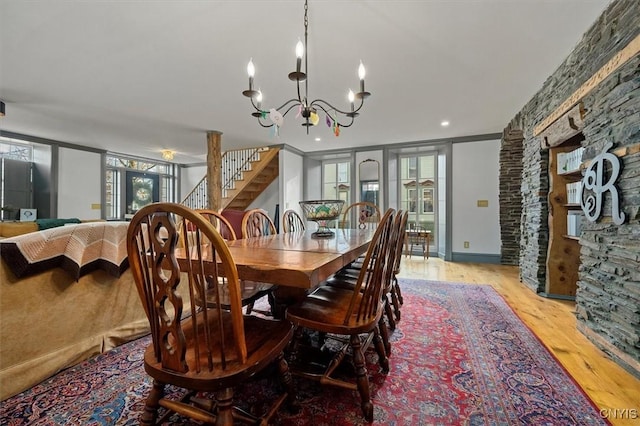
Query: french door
<point x="418" y="192"/>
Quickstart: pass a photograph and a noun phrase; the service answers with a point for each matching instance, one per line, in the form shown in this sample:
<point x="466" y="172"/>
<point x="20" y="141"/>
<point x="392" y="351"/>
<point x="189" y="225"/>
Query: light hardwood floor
<point x="612" y="389"/>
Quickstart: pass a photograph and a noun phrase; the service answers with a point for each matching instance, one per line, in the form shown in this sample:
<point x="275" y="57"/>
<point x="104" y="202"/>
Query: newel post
<point x="214" y="170"/>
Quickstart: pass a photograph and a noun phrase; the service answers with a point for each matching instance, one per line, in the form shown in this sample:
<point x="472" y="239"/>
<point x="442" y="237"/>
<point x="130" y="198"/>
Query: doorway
<point x="418" y="192"/>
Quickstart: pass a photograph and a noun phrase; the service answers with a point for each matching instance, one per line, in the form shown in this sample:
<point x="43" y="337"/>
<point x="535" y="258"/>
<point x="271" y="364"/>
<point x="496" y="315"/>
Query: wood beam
<point x="628" y="52"/>
<point x="566" y="127"/>
<point x="214" y="170"/>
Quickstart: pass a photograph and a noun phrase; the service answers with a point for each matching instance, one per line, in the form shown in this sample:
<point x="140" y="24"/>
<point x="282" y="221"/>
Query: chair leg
<point x="395" y="302"/>
<point x="150" y="413"/>
<point x="398" y="291"/>
<point x="388" y="312"/>
<point x="287" y="382"/>
<point x="383" y="333"/>
<point x="362" y="378"/>
<point x="225" y="407"/>
<point x="383" y="355"/>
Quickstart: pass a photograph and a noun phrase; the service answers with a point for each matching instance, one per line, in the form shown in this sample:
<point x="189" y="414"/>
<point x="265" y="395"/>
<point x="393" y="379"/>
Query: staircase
<point x="245" y="174"/>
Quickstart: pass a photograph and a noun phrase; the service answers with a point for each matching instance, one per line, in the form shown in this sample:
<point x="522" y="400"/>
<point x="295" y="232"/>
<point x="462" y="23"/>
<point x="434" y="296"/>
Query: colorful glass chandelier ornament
<point x="335" y="117"/>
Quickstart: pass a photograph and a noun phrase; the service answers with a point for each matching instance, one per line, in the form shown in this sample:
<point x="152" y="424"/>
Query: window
<point x="16" y="177"/>
<point x="14" y="150"/>
<point x="131" y="183"/>
<point x="418" y="191"/>
<point x="427" y="200"/>
<point x="413" y="199"/>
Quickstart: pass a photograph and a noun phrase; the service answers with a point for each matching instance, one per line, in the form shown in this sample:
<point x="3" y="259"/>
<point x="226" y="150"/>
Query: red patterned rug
<point x="460" y="356"/>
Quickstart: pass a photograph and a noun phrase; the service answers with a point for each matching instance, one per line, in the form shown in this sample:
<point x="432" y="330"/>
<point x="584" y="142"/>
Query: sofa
<point x="52" y="319"/>
<point x="12" y="229"/>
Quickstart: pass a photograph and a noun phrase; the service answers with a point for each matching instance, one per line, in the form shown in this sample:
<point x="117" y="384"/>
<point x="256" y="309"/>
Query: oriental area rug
<point x="460" y="356"/>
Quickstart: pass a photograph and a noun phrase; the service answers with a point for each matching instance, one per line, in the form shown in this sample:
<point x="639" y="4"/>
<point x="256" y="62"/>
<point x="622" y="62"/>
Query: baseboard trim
<point x="557" y="296"/>
<point x="623" y="359"/>
<point x="476" y="258"/>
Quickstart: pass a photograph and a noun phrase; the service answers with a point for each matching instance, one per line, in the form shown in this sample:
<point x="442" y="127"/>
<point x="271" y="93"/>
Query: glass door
<point x="418" y="192"/>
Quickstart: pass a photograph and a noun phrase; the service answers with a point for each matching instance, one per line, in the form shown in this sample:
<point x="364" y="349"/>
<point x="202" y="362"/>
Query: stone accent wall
<point x="608" y="295"/>
<point x="510" y="196"/>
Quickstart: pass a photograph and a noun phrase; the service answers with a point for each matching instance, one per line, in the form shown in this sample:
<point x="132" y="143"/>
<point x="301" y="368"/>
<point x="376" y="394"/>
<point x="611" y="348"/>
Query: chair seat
<point x="325" y="310"/>
<point x="265" y="339"/>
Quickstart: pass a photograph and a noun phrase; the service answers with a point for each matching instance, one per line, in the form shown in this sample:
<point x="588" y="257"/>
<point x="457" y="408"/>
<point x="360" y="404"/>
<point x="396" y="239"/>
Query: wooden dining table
<point x="296" y="262"/>
<point x="297" y="259"/>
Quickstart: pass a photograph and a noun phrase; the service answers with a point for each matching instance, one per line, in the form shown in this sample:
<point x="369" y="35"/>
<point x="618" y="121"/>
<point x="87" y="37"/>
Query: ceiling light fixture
<point x="444" y="123"/>
<point x="167" y="154"/>
<point x="335" y="117"/>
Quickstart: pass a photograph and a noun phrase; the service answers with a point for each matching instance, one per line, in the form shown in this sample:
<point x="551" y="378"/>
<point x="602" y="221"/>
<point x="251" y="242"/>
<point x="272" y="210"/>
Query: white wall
<point x="189" y="178"/>
<point x="268" y="199"/>
<point x="286" y="190"/>
<point x="79" y="184"/>
<point x="475" y="172"/>
<point x="291" y="179"/>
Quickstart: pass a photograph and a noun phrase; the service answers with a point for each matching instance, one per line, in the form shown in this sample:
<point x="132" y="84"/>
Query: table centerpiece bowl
<point x="321" y="212"/>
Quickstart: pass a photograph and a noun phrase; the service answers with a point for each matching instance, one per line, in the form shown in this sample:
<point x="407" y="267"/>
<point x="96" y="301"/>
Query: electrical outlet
<point x="466" y="244"/>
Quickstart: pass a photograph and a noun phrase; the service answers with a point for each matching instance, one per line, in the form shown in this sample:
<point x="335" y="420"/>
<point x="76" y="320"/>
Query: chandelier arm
<point x="265" y="125"/>
<point x="319" y="102"/>
<point x="332" y="118"/>
<point x="295" y="101"/>
<point x="283" y="114"/>
<point x="289" y="109"/>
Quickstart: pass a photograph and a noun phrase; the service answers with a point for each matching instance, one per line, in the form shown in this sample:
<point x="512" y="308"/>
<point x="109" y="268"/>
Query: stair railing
<point x="234" y="163"/>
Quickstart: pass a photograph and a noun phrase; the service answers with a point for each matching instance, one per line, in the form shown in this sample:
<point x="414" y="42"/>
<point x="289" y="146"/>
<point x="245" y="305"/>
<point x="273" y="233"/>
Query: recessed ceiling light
<point x="444" y="123"/>
<point x="318" y="139"/>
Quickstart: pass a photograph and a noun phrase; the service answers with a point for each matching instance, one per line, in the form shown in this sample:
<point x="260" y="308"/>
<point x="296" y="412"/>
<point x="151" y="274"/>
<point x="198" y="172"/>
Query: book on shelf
<point x="573" y="192"/>
<point x="574" y="223"/>
<point x="570" y="161"/>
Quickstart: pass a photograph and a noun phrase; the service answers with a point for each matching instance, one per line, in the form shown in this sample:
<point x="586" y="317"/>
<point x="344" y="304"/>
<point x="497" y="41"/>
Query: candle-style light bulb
<point x="361" y="74"/>
<point x="299" y="53"/>
<point x="251" y="70"/>
<point x="299" y="49"/>
<point x="259" y="99"/>
<point x="351" y="97"/>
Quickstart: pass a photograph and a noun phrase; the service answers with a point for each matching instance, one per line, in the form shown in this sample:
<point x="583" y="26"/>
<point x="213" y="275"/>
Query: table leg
<point x="286" y="296"/>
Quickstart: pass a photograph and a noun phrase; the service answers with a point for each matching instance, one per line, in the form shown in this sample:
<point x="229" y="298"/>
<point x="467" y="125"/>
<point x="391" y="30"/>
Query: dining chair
<point x="256" y="223"/>
<point x="222" y="225"/>
<point x="418" y="236"/>
<point x="250" y="291"/>
<point x="395" y="292"/>
<point x="292" y="222"/>
<point x="364" y="213"/>
<point x="204" y="349"/>
<point x="348" y="316"/>
<point x="347" y="278"/>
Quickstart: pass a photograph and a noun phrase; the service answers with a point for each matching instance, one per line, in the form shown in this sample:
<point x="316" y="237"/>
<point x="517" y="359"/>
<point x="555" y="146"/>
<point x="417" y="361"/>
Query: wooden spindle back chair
<point x="292" y="222"/>
<point x="396" y="293"/>
<point x="362" y="215"/>
<point x="222" y="225"/>
<point x="354" y="313"/>
<point x="200" y="347"/>
<point x="256" y="222"/>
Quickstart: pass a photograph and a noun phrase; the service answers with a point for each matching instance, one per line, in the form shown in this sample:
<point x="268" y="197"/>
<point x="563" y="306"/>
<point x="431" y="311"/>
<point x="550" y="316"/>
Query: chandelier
<point x="308" y="110"/>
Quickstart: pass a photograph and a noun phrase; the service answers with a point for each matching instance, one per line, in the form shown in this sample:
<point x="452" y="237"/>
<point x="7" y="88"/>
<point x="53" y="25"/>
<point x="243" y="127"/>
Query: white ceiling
<point x="140" y="76"/>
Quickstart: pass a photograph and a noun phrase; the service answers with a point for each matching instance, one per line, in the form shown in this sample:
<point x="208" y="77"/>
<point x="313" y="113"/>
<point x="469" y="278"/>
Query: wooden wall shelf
<point x="563" y="254"/>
